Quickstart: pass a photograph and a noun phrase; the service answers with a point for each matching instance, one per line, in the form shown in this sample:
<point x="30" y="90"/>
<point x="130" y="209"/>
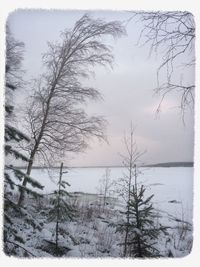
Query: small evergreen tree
<point x="143" y="231"/>
<point x="139" y="227"/>
<point x="61" y="210"/>
<point x="126" y="183"/>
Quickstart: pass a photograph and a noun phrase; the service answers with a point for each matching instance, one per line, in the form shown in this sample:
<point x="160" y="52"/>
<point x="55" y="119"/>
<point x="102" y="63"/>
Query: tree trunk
<point x="22" y="192"/>
<point x="37" y="143"/>
<point x="58" y="208"/>
<point x="137" y="215"/>
<point x="128" y="209"/>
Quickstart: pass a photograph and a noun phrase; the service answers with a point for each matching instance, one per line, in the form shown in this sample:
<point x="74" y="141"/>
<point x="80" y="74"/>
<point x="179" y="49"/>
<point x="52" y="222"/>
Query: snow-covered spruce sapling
<point x="61" y="210"/>
<point x="143" y="229"/>
<point x="139" y="227"/>
<point x="13" y="240"/>
<point x="126" y="182"/>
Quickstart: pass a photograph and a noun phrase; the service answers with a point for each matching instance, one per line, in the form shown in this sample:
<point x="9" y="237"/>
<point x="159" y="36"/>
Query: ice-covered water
<point x="172" y="187"/>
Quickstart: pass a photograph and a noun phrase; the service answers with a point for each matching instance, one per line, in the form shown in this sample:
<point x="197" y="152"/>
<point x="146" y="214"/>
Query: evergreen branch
<point x="18" y="155"/>
<point x="16" y="244"/>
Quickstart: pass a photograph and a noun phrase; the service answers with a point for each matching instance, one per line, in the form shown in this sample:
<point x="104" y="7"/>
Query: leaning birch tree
<point x="56" y="122"/>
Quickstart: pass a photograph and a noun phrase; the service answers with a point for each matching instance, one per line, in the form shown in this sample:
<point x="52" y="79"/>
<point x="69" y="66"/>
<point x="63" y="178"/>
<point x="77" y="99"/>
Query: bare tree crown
<point x="56" y="119"/>
<point x="172" y="34"/>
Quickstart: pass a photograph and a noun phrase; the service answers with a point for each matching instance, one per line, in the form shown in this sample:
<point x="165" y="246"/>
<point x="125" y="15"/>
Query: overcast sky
<point x="127" y="91"/>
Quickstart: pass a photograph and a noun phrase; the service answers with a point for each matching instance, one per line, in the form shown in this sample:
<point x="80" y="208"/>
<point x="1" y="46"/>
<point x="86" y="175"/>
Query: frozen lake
<point x="172" y="187"/>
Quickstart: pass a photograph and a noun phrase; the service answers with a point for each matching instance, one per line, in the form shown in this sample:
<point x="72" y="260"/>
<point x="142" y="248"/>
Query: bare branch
<point x="172" y="35"/>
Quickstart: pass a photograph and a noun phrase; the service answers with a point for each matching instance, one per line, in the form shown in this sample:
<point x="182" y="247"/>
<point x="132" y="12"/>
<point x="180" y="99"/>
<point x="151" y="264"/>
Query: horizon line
<point x="113" y="166"/>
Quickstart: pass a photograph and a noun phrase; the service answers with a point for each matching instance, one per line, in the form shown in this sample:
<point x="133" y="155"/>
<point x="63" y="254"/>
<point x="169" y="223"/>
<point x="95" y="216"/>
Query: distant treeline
<point x="165" y="164"/>
<point x="172" y="164"/>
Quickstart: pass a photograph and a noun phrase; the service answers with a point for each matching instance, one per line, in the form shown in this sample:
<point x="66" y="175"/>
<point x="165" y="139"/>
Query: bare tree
<point x="172" y="35"/>
<point x="56" y="120"/>
<point x="105" y="185"/>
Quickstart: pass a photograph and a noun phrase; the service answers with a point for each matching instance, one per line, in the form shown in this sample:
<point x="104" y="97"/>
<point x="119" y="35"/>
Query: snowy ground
<point x="92" y="234"/>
